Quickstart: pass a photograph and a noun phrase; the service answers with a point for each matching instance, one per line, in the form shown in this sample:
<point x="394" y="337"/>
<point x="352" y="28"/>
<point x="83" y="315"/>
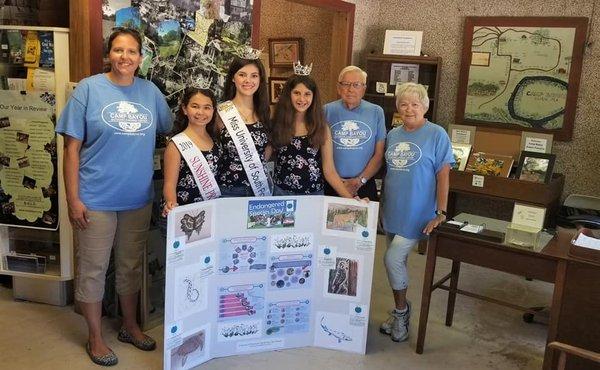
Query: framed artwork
<point x="536" y="167"/>
<point x="521" y="73"/>
<point x="284" y="52"/>
<point x="461" y="155"/>
<point x="275" y="88"/>
<point x="489" y="164"/>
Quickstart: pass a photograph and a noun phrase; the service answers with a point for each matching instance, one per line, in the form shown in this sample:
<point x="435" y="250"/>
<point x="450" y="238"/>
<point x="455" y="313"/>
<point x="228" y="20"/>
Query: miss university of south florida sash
<point x="205" y="179"/>
<point x="246" y="149"/>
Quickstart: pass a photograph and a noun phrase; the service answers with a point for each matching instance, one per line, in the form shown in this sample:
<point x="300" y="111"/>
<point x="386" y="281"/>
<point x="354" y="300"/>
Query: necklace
<point x="245" y="117"/>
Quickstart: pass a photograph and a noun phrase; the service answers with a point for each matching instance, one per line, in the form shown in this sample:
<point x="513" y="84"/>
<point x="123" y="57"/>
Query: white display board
<point x="249" y="275"/>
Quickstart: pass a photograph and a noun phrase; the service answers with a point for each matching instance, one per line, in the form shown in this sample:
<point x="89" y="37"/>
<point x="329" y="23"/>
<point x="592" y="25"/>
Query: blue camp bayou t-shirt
<point x="355" y="133"/>
<point x="117" y="126"/>
<point x="413" y="160"/>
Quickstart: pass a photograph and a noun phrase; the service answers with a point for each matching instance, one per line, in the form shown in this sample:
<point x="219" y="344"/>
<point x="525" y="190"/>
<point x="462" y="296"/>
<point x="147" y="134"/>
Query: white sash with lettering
<point x="205" y="179"/>
<point x="246" y="149"/>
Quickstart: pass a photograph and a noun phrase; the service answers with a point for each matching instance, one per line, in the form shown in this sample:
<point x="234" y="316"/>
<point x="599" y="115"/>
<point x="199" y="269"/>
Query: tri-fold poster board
<point x="248" y="275"/>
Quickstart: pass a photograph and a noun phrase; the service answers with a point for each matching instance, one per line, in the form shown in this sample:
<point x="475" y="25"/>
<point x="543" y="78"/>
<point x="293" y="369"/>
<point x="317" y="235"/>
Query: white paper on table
<point x="587" y="242"/>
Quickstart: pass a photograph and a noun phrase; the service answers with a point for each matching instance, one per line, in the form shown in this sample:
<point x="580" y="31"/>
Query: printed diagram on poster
<point x="268" y="273"/>
<point x="289" y="271"/>
<point x="192" y="351"/>
<point x="194" y="226"/>
<point x="28" y="160"/>
<point x="288" y="317"/>
<point x="243" y="254"/>
<point x="267" y="214"/>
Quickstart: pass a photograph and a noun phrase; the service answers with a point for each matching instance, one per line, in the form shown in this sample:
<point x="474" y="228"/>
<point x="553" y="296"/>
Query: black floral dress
<point x="299" y="167"/>
<point x="231" y="170"/>
<point x="187" y="190"/>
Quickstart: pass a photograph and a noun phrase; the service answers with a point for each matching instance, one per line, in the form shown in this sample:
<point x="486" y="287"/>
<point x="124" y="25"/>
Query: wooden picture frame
<point x="536" y="167"/>
<point x="283" y="52"/>
<point x="275" y="88"/>
<point x="489" y="164"/>
<point x="533" y="89"/>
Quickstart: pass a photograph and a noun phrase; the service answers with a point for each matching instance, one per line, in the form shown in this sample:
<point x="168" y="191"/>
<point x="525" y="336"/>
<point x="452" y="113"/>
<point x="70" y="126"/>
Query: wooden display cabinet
<point x="378" y="69"/>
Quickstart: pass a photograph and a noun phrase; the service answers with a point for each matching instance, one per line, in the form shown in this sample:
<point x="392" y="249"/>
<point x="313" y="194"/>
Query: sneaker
<point x="400" y="326"/>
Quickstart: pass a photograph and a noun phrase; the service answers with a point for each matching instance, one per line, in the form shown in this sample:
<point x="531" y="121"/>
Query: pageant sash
<point x="205" y="179"/>
<point x="246" y="149"/>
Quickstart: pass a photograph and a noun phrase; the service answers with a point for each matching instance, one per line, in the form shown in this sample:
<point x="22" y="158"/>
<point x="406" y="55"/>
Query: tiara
<point x="301" y="70"/>
<point x="247" y="52"/>
<point x="201" y="82"/>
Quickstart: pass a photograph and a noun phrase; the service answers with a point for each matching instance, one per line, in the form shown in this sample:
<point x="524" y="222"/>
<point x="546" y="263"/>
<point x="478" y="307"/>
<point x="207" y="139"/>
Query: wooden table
<point x="575" y="315"/>
<point x="470" y="249"/>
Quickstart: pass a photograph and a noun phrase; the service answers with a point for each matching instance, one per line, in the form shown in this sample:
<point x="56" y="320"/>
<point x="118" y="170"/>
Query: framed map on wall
<point x="521" y="73"/>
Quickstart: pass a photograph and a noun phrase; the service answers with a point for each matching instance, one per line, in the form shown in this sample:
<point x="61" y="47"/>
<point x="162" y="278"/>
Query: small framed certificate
<point x="403" y="42"/>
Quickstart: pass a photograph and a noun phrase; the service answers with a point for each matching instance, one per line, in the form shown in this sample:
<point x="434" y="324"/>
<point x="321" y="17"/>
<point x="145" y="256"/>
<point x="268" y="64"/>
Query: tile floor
<point x="484" y="335"/>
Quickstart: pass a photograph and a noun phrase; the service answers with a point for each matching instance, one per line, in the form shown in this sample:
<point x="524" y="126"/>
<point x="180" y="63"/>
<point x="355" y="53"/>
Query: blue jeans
<point x="279" y="191"/>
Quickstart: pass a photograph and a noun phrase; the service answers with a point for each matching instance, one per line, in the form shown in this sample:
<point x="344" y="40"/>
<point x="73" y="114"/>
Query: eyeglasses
<point x="347" y="85"/>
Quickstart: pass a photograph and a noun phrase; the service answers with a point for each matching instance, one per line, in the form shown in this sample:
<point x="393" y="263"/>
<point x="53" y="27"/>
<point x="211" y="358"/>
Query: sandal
<point x="146" y="344"/>
<point x="109" y="359"/>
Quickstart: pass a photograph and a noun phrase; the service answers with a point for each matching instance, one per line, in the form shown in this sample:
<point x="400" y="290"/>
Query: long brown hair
<point x="282" y="129"/>
<point x="261" y="96"/>
<point x="181" y="120"/>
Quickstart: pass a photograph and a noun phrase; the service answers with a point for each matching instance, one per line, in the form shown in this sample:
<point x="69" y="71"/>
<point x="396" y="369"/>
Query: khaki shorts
<point x="128" y="232"/>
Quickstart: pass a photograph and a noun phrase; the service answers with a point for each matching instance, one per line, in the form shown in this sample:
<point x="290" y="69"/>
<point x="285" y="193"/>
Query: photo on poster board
<point x="288" y="317"/>
<point x="536" y="167"/>
<point x="489" y="164"/>
<point x="344" y="281"/>
<point x="194" y="222"/>
<point x="191" y="289"/>
<point x="268" y="214"/>
<point x="461" y="156"/>
<point x="193" y="350"/>
<point x="343" y="219"/>
<point x="333" y="330"/>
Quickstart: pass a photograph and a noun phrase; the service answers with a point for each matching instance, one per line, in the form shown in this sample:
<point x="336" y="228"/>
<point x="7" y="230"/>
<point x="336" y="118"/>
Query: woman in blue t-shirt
<point x="418" y="157"/>
<point x="109" y="125"/>
<point x="302" y="142"/>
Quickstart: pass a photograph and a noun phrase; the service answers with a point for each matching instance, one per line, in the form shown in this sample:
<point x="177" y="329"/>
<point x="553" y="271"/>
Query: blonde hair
<point x="350" y="69"/>
<point x="411" y="88"/>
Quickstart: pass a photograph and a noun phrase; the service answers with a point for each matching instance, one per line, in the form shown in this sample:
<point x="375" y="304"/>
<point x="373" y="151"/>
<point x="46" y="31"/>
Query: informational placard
<point x="28" y="167"/>
<point x="248" y="275"/>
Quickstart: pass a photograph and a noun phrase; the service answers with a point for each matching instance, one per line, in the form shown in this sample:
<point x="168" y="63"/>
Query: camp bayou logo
<point x="402" y="155"/>
<point x="127" y="116"/>
<point x="351" y="134"/>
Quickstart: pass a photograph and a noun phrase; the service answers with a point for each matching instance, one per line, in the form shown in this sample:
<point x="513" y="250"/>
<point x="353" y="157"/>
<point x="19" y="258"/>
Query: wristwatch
<point x="440" y="212"/>
<point x="363" y="180"/>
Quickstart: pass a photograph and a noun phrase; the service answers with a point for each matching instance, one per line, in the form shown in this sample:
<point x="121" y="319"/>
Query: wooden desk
<point x="575" y="314"/>
<point x="469" y="249"/>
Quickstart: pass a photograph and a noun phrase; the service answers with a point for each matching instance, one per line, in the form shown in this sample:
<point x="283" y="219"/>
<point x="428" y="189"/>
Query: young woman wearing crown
<point x="302" y="140"/>
<point x="242" y="129"/>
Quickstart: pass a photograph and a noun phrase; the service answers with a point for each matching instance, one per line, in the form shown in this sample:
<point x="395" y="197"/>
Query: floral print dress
<point x="299" y="167"/>
<point x="231" y="170"/>
<point x="187" y="190"/>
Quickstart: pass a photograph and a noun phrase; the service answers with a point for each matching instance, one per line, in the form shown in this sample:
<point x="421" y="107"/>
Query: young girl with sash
<point x="191" y="156"/>
<point x="242" y="130"/>
<point x="302" y="140"/>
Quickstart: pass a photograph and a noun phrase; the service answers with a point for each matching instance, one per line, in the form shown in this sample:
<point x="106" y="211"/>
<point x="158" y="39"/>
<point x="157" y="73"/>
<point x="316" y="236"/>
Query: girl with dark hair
<point x="302" y="141"/>
<point x="191" y="156"/>
<point x="109" y="125"/>
<point x="242" y="130"/>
